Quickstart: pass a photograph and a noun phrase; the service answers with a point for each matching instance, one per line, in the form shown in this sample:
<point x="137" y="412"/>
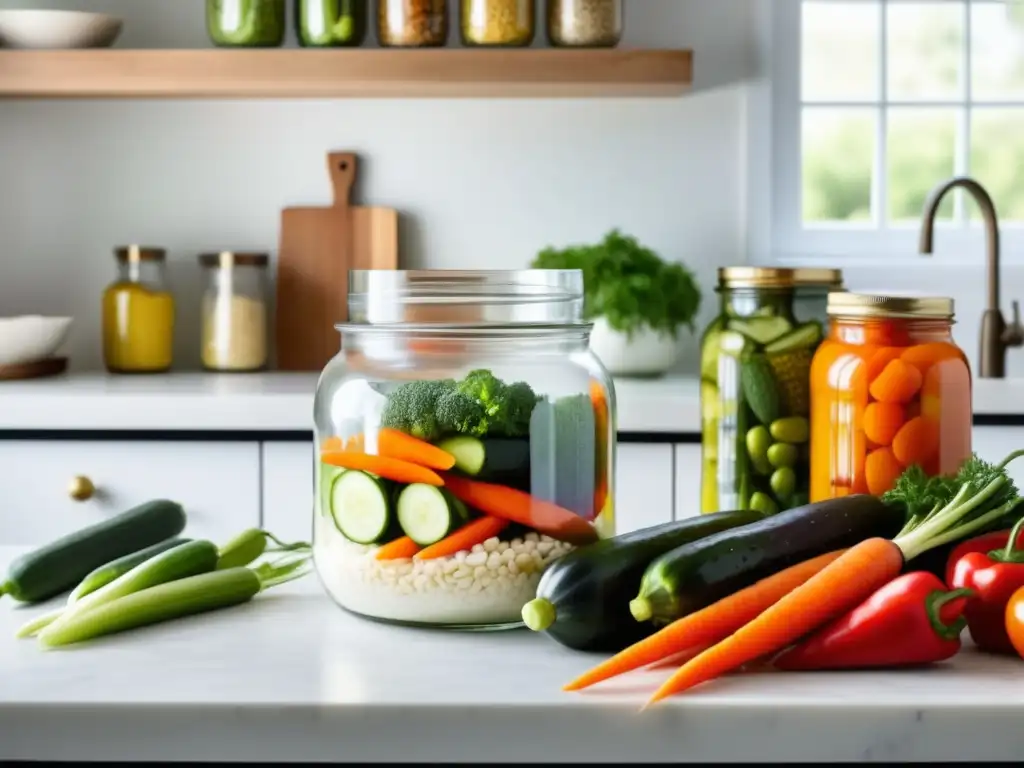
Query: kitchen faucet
<point x="996" y="335"/>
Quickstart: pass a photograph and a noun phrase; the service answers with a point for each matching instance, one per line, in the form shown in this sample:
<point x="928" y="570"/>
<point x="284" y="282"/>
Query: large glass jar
<point x="234" y="321"/>
<point x="889" y="389"/>
<point x="497" y="22"/>
<point x="755" y="386"/>
<point x="466" y="439"/>
<point x="412" y="23"/>
<point x="245" y="23"/>
<point x="138" y="313"/>
<point x="330" y="23"/>
<point x="585" y="23"/>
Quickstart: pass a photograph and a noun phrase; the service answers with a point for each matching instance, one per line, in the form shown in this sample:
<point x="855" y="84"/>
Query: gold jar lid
<point x="895" y="307"/>
<point x="234" y="258"/>
<point x="127" y="253"/>
<point x="778" y="277"/>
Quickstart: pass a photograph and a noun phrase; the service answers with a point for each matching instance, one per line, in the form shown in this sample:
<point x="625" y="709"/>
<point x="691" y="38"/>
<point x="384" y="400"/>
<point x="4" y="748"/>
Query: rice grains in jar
<point x="234" y="314"/>
<point x="497" y="22"/>
<point x="465" y="440"/>
<point x="889" y="389"/>
<point x="585" y="23"/>
<point x="412" y="23"/>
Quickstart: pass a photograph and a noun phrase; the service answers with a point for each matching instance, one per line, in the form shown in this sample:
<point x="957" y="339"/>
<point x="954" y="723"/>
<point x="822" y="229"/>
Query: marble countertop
<point x="290" y="677"/>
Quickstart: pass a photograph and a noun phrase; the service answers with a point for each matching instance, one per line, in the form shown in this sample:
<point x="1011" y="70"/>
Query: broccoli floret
<point x="412" y="408"/>
<point x="507" y="406"/>
<point x="458" y="412"/>
<point x="484" y="387"/>
<point x="520" y="400"/>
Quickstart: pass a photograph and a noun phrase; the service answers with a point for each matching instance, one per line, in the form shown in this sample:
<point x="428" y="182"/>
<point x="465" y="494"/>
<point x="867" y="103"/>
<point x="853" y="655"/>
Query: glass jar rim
<point x="883" y="306"/>
<point x="779" y="277"/>
<point x="234" y="258"/>
<point x="477" y="330"/>
<point x="126" y="253"/>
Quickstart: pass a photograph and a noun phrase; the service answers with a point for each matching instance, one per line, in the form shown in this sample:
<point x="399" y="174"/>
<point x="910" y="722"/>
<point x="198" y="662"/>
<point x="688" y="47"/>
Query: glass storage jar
<point x="234" y="319"/>
<point x="330" y="23"/>
<point x="245" y="23"/>
<point x="585" y="23"/>
<point x="466" y="439"/>
<point x="497" y="22"/>
<point x="889" y="389"/>
<point x="412" y="23"/>
<point x="755" y="386"/>
<point x="138" y="313"/>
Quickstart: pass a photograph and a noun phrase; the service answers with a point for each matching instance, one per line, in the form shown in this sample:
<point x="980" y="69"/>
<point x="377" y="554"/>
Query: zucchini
<point x="60" y="565"/>
<point x="361" y="508"/>
<point x="501" y="460"/>
<point x="583" y="597"/>
<point x="115" y="568"/>
<point x="695" y="575"/>
<point x="428" y="514"/>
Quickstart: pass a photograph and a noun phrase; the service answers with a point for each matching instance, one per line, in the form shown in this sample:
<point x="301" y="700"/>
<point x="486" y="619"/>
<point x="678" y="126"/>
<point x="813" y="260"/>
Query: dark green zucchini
<point x="500" y="460"/>
<point x="583" y="597"/>
<point x="62" y="564"/>
<point x="695" y="575"/>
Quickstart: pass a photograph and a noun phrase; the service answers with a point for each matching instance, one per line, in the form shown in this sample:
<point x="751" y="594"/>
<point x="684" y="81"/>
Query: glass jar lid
<point x="234" y="259"/>
<point x="463" y="300"/>
<point x="894" y="307"/>
<point x="779" y="277"/>
<point x="126" y="253"/>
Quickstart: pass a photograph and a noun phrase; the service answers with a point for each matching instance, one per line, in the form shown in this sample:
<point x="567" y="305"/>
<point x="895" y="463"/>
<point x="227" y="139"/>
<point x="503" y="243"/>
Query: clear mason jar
<point x="138" y="313"/>
<point x="466" y="438"/>
<point x="508" y="23"/>
<point x="889" y="389"/>
<point x="755" y="386"/>
<point x="245" y="23"/>
<point x="234" y="319"/>
<point x="412" y="23"/>
<point x="331" y="23"/>
<point x="585" y="23"/>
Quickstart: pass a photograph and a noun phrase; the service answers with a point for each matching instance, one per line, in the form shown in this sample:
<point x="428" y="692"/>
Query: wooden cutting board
<point x="318" y="247"/>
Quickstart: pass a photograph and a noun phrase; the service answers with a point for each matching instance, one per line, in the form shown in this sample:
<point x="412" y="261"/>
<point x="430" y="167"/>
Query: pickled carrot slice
<point x="924" y="356"/>
<point x="880" y="357"/>
<point x="916" y="442"/>
<point x="897" y="383"/>
<point x="881" y="469"/>
<point x="882" y="421"/>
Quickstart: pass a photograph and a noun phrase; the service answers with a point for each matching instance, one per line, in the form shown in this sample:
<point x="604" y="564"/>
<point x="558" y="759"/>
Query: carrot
<point x="476" y="532"/>
<point x="882" y="421"/>
<point x="708" y="625"/>
<point x="398" y="445"/>
<point x="519" y="507"/>
<point x="897" y="383"/>
<point x="600" y="403"/>
<point x="399" y="549"/>
<point x="881" y="469"/>
<point x="332" y="444"/>
<point x="879" y="358"/>
<point x="388" y="468"/>
<point x="835" y="589"/>
<point x="916" y="442"/>
<point x="676" y="660"/>
<point x="924" y="356"/>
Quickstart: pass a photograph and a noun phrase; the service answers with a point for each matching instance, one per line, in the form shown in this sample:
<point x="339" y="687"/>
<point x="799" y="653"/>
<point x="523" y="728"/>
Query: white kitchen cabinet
<point x="687" y="468"/>
<point x="643" y="486"/>
<point x="288" y="490"/>
<point x="996" y="443"/>
<point x="217" y="483"/>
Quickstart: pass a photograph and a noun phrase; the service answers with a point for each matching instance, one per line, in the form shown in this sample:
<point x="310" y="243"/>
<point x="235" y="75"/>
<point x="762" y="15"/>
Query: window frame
<point x="777" y="232"/>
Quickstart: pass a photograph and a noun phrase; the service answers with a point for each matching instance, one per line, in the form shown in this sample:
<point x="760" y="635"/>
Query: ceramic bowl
<point x="57" y="29"/>
<point x="30" y="338"/>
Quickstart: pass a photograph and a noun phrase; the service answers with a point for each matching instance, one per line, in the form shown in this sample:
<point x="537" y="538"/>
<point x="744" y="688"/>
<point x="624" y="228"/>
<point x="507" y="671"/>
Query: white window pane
<point x="838" y="147"/>
<point x="997" y="51"/>
<point x="841" y="51"/>
<point x="925" y="50"/>
<point x="921" y="150"/>
<point x="997" y="158"/>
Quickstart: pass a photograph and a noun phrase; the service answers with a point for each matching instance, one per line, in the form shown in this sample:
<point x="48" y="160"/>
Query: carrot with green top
<point x="400" y="549"/>
<point x="464" y="539"/>
<point x="383" y="466"/>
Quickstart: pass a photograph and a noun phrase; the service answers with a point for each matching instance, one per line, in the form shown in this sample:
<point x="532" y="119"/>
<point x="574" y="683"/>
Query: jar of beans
<point x="497" y="22"/>
<point x="585" y="23"/>
<point x="412" y="23"/>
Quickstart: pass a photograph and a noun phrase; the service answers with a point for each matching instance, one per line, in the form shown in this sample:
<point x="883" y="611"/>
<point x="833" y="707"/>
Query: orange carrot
<point x="332" y="444"/>
<point x="676" y="660"/>
<point x="916" y="442"/>
<point x="475" y="532"/>
<point x="879" y="358"/>
<point x="882" y="421"/>
<point x="897" y="383"/>
<point x="384" y="466"/>
<point x="924" y="356"/>
<point x="519" y="507"/>
<point x="399" y="549"/>
<point x="708" y="625"/>
<point x="881" y="469"/>
<point x="398" y="445"/>
<point x="600" y="403"/>
<point x="838" y="587"/>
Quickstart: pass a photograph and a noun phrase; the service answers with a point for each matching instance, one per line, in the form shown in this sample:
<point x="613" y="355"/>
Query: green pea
<point x="783" y="482"/>
<point x="758" y="440"/>
<point x="763" y="503"/>
<point x="782" y="455"/>
<point x="792" y="429"/>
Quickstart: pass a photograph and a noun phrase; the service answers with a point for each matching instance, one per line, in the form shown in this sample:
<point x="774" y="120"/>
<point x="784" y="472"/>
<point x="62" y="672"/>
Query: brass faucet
<point x="996" y="335"/>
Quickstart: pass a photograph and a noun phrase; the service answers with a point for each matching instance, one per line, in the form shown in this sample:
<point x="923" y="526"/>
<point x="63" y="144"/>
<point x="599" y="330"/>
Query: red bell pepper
<point x="984" y="543"/>
<point x="994" y="577"/>
<point x="912" y="620"/>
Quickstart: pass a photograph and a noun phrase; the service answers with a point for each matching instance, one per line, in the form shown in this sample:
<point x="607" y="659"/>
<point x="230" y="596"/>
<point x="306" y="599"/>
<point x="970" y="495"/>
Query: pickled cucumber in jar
<point x="246" y="23"/>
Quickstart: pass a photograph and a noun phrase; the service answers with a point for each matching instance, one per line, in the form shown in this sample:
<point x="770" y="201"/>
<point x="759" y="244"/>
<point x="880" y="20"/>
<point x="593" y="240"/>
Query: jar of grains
<point x="234" y="322"/>
<point x="412" y="23"/>
<point x="585" y="23"/>
<point x="497" y="22"/>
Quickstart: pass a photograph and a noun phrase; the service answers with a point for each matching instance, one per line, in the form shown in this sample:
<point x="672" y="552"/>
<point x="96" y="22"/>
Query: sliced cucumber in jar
<point x="761" y="330"/>
<point x="428" y="514"/>
<point x="802" y="337"/>
<point x="360" y="508"/>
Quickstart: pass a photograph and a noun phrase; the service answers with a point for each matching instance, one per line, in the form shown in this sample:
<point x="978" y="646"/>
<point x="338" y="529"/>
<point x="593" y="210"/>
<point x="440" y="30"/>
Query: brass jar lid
<point x="778" y="277"/>
<point x="234" y="258"/>
<point x="895" y="307"/>
<point x="127" y="253"/>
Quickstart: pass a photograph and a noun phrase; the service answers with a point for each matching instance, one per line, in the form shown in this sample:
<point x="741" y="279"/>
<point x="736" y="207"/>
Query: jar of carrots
<point x="889" y="389"/>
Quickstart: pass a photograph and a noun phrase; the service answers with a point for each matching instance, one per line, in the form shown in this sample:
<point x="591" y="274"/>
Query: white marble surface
<point x="290" y="677"/>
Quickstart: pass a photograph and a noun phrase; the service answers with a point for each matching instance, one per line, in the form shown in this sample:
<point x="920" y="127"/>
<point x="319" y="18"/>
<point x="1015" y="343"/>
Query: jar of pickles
<point x="889" y="390"/>
<point x="138" y="314"/>
<point x="755" y="386"/>
<point x="330" y="23"/>
<point x="412" y="23"/>
<point x="497" y="22"/>
<point x="246" y="23"/>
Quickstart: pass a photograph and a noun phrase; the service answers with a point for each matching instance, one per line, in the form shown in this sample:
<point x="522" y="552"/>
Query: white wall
<point x="480" y="183"/>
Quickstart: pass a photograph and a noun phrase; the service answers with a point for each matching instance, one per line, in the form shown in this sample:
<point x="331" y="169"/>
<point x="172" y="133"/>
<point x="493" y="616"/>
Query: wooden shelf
<point x="372" y="73"/>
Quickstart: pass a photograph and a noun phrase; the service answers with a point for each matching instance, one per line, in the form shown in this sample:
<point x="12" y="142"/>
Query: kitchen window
<point x="873" y="103"/>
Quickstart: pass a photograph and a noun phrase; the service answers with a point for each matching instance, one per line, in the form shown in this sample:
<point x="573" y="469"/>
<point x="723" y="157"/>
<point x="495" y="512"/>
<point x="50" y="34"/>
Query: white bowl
<point x="31" y="338"/>
<point x="58" y="29"/>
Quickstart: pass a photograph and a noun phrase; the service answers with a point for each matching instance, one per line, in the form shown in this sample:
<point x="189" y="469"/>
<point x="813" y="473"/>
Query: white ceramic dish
<point x="30" y="338"/>
<point x="57" y="29"/>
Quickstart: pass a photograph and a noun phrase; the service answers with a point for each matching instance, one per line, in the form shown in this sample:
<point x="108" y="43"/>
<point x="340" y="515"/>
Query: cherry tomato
<point x="1015" y="620"/>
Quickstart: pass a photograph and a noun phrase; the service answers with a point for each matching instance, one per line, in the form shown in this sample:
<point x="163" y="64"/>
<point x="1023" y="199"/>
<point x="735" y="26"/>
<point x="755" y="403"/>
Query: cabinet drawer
<point x="643" y="486"/>
<point x="288" y="490"/>
<point x="687" y="480"/>
<point x="217" y="483"/>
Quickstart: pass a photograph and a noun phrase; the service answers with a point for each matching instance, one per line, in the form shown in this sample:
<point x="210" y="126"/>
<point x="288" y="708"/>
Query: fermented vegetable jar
<point x="234" y="315"/>
<point x="585" y="23"/>
<point x="889" y="389"/>
<point x="755" y="386"/>
<point x="412" y="23"/>
<point x="497" y="22"/>
<point x="138" y="313"/>
<point x="246" y="23"/>
<point x="330" y="23"/>
<point x="465" y="439"/>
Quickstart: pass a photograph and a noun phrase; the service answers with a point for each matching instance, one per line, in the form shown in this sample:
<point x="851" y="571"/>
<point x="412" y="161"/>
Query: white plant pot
<point x="647" y="353"/>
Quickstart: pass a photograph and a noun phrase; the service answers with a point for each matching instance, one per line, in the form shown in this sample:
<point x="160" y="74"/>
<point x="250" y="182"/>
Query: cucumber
<point x="428" y="514"/>
<point x="62" y="564"/>
<point x="583" y="597"/>
<point x="115" y="568"/>
<point x="360" y="507"/>
<point x="802" y="337"/>
<point x="761" y="330"/>
<point x="501" y="460"/>
<point x="695" y="575"/>
<point x="757" y="379"/>
<point x="328" y="474"/>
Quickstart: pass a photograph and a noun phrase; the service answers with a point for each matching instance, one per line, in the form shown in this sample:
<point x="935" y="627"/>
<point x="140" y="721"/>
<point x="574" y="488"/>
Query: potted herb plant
<point x="637" y="301"/>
